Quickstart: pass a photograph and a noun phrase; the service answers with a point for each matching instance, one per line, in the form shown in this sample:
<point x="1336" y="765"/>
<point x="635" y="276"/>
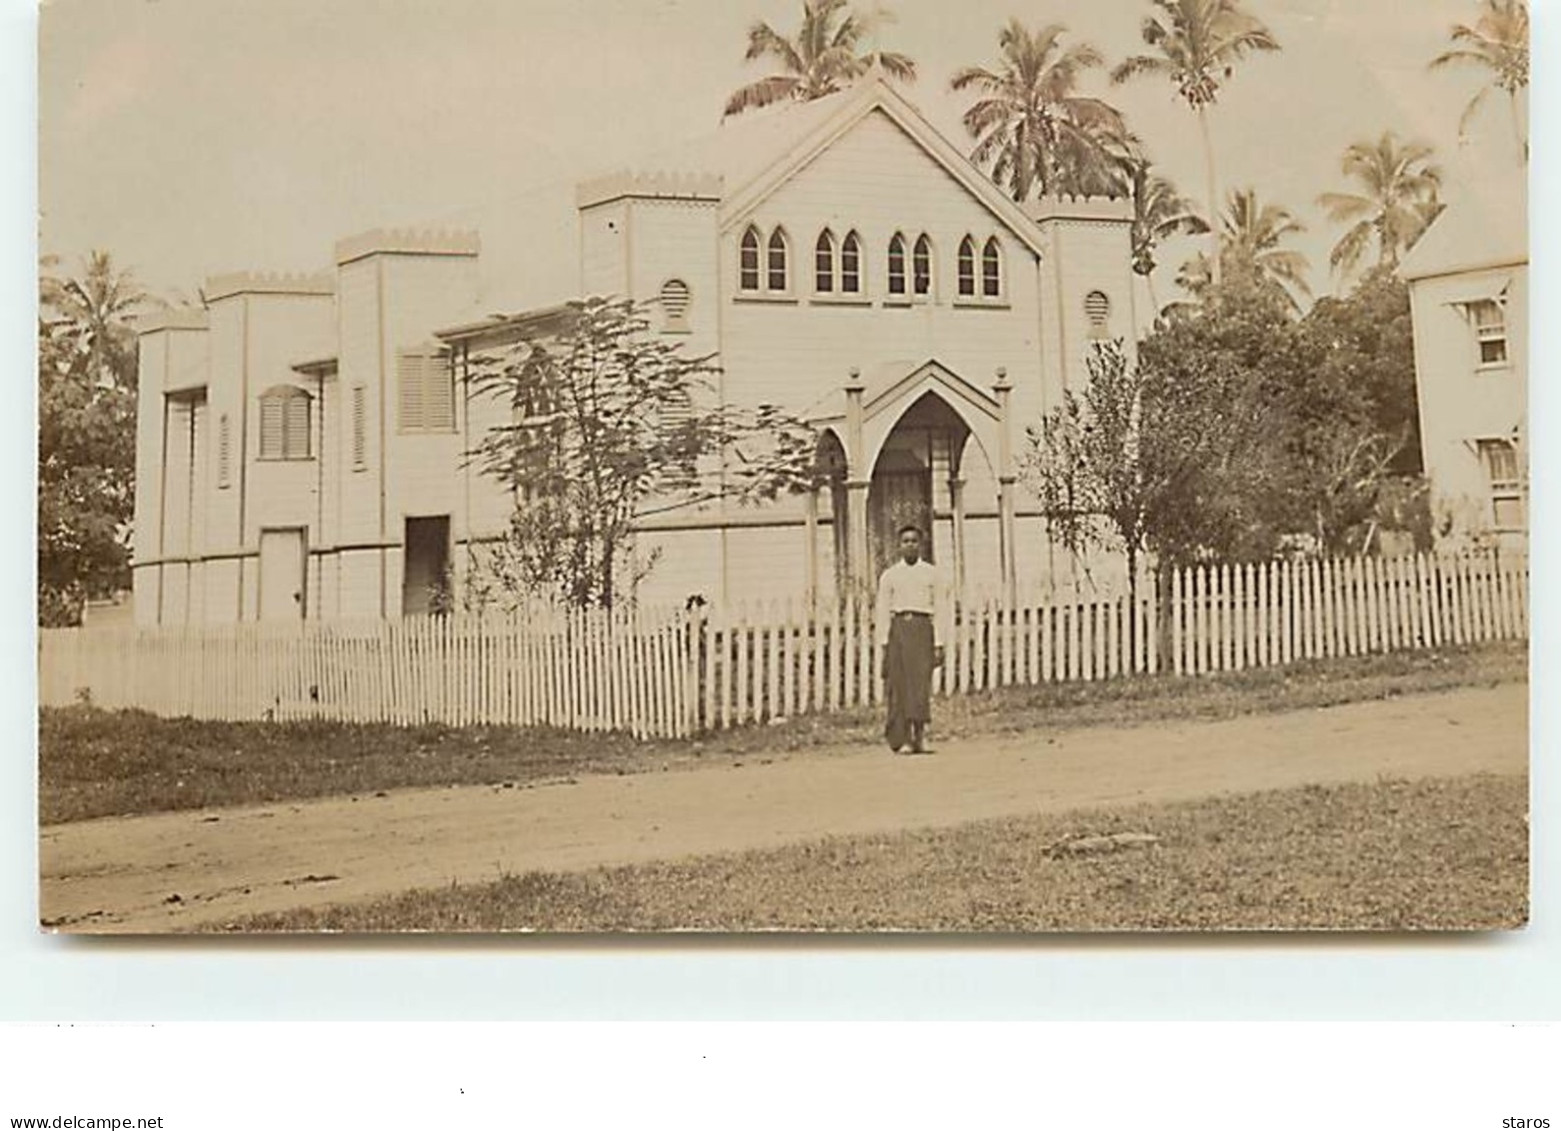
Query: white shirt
<point x="909" y="589"/>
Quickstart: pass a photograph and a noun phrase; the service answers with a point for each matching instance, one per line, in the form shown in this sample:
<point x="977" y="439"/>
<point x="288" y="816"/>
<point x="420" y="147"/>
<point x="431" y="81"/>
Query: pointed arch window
<point x="967" y="268"/>
<point x="748" y="261"/>
<point x="921" y="266"/>
<point x="991" y="269"/>
<point x="777" y="261"/>
<point x="824" y="262"/>
<point x="897" y="264"/>
<point x="851" y="265"/>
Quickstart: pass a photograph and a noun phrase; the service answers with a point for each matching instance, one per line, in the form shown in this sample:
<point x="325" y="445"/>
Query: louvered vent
<point x="224" y="452"/>
<point x="1097" y="308"/>
<point x="674" y="304"/>
<point x="359" y="428"/>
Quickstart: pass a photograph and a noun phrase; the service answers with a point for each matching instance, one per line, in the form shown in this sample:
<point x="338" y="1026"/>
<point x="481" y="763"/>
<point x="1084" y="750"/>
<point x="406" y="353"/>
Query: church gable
<point x="877" y="173"/>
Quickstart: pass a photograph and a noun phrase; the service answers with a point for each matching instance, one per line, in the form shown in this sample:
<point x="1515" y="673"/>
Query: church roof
<point x="1486" y="227"/>
<point x="754" y="155"/>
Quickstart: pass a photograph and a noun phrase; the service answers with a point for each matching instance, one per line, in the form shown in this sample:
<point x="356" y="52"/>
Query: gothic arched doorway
<point x="915" y="481"/>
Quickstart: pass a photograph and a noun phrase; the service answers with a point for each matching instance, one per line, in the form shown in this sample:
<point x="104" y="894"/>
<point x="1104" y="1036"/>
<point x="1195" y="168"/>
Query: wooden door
<point x="282" y="557"/>
<point x="899" y="498"/>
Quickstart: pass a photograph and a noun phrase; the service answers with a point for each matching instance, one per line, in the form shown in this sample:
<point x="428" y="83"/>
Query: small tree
<point x="611" y="423"/>
<point x="1085" y="460"/>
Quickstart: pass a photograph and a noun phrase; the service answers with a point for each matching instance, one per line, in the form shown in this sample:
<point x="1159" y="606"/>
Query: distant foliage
<point x="610" y="424"/>
<point x="1398" y="198"/>
<point x="1034" y="131"/>
<point x="86" y="435"/>
<point x="1321" y="437"/>
<point x="1498" y="44"/>
<point x="825" y="56"/>
<point x="1367" y="345"/>
<point x="1253" y="254"/>
<point x="1196" y="46"/>
<point x="1241" y="433"/>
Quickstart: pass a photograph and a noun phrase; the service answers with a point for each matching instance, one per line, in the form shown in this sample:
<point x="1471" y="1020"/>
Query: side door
<point x="282" y="575"/>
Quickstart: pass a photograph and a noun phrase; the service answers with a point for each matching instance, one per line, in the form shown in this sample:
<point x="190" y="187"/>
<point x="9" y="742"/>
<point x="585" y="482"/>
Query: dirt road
<point x="171" y="871"/>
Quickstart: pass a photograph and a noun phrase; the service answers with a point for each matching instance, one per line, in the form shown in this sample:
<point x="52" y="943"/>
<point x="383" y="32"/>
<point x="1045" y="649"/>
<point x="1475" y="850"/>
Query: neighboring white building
<point x="300" y="443"/>
<point x="1468" y="287"/>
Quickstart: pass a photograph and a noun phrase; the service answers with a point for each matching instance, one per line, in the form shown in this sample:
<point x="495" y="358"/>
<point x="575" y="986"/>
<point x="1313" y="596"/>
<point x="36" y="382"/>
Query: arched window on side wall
<point x="991" y="269"/>
<point x="284" y="423"/>
<point x="824" y="262"/>
<point x="748" y="261"/>
<point x="897" y="264"/>
<point x="851" y="265"/>
<point x="921" y="265"/>
<point x="967" y="267"/>
<point x="777" y="261"/>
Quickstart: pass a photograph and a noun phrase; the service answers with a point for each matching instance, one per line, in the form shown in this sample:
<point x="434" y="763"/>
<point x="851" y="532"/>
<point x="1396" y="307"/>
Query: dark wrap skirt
<point x="907" y="673"/>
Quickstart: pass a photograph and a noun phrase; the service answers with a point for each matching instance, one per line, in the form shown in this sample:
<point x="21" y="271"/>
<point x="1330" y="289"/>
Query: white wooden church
<point x="300" y="441"/>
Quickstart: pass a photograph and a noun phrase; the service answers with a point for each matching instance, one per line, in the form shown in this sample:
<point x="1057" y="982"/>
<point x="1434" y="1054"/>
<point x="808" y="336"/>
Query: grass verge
<point x="95" y="763"/>
<point x="1434" y="854"/>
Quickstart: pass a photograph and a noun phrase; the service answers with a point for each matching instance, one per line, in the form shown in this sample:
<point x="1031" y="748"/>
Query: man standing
<point x="909" y="624"/>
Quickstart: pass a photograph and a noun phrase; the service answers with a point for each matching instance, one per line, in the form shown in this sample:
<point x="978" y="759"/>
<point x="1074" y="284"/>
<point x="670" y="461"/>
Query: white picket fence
<point x="667" y="673"/>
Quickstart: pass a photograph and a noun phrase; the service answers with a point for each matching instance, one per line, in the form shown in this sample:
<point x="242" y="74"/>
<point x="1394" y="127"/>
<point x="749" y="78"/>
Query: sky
<point x="191" y="137"/>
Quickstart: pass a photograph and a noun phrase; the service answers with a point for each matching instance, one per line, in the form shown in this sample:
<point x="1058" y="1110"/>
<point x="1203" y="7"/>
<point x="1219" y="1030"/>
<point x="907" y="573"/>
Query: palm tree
<point x="1252" y="254"/>
<point x="1250" y="237"/>
<point x="1159" y="212"/>
<point x="1197" y="44"/>
<point x="825" y="57"/>
<point x="1398" y="200"/>
<point x="92" y="316"/>
<point x="1030" y="127"/>
<point x="1498" y="42"/>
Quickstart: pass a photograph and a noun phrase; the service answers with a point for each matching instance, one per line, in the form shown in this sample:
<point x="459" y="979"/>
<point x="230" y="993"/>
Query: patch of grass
<point x="96" y="763"/>
<point x="1394" y="855"/>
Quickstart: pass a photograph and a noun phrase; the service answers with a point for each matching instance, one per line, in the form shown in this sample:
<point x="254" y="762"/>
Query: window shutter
<point x="295" y="430"/>
<point x="271" y="421"/>
<point x="410" y="414"/>
<point x="438" y="394"/>
<point x="425" y="392"/>
<point x="359" y="427"/>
